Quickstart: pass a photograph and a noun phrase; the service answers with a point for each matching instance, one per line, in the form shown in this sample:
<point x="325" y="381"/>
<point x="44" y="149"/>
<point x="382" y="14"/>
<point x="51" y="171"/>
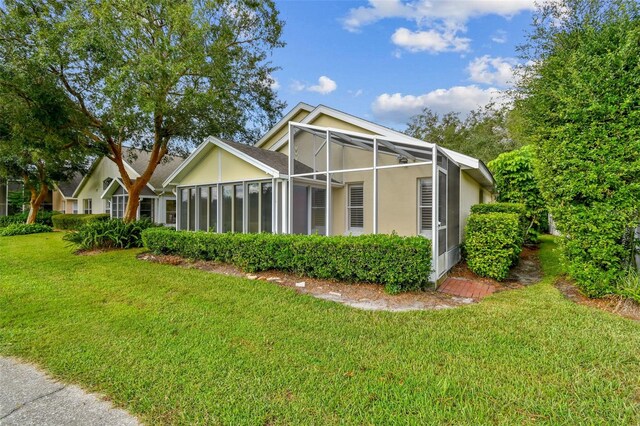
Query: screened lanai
<point x="348" y="183"/>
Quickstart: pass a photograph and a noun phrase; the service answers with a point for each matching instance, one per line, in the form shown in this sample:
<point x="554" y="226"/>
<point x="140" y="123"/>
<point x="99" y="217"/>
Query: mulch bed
<point x="615" y="304"/>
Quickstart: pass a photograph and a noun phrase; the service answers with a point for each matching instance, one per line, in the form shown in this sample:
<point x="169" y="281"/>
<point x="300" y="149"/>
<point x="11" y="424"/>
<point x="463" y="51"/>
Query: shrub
<point x="493" y="243"/>
<point x="629" y="285"/>
<point x="112" y="233"/>
<point x="400" y="263"/>
<point x="24" y="229"/>
<point x="516" y="183"/>
<point x="515" y="208"/>
<point x="43" y="218"/>
<point x="73" y="222"/>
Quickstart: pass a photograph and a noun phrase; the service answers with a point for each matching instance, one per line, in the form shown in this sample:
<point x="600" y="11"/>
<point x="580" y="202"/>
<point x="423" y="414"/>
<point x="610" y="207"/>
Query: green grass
<point x="184" y="346"/>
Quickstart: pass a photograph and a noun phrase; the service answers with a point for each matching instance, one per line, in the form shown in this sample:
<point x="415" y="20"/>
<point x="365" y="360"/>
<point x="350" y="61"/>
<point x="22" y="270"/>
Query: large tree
<point x="153" y="74"/>
<point x="580" y="100"/>
<point x="485" y="133"/>
<point x="40" y="141"/>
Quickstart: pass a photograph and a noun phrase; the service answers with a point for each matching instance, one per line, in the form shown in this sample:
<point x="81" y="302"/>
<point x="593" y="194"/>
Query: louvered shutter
<point x="425" y="204"/>
<point x="356" y="206"/>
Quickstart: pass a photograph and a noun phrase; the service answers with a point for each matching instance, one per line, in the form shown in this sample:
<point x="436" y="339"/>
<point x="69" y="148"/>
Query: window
<point x="192" y="209"/>
<point x="86" y="205"/>
<point x="203" y="208"/>
<point x="238" y="213"/>
<point x="184" y="208"/>
<point x="74" y="207"/>
<point x="119" y="203"/>
<point x="266" y="208"/>
<point x="106" y="183"/>
<point x="147" y="208"/>
<point x="213" y="210"/>
<point x="107" y="206"/>
<point x="227" y="208"/>
<point x="355" y="207"/>
<point x="253" y="200"/>
<point x="318" y="210"/>
<point x="425" y="211"/>
<point x="170" y="212"/>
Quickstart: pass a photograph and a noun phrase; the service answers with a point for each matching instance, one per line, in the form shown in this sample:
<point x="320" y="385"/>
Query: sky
<point x="385" y="60"/>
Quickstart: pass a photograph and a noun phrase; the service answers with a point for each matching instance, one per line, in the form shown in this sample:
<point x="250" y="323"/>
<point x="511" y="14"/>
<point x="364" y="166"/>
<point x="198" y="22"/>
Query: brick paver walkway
<point x="466" y="288"/>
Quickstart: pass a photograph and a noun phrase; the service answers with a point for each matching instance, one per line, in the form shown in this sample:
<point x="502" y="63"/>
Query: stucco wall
<point x="284" y="129"/>
<point x="208" y="169"/>
<point x="93" y="186"/>
<point x="469" y="195"/>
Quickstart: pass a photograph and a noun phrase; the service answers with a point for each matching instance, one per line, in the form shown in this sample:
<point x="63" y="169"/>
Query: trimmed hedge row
<point x="493" y="242"/>
<point x="43" y="218"/>
<point x="515" y="208"/>
<point x="24" y="229"/>
<point x="399" y="263"/>
<point x="73" y="222"/>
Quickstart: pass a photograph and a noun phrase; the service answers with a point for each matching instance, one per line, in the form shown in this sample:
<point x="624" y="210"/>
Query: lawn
<point x="174" y="345"/>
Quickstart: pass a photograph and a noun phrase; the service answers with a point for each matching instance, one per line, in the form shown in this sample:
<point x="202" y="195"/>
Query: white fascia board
<point x="185" y="163"/>
<point x="269" y="170"/>
<point x="109" y="190"/>
<point x="294" y="111"/>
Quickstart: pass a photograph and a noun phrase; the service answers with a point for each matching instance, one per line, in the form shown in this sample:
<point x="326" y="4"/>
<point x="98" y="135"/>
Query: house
<point x="320" y="170"/>
<point x="14" y="199"/>
<point x="101" y="190"/>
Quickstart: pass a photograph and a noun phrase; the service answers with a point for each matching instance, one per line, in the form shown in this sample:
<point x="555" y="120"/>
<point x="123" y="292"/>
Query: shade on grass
<point x="185" y="346"/>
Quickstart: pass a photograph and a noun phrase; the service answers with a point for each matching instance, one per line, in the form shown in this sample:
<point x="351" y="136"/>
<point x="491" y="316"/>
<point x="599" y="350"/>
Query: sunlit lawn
<point x="174" y="345"/>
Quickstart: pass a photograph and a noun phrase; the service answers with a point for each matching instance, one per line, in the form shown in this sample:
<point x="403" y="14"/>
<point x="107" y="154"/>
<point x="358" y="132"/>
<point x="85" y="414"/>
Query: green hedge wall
<point x="43" y="218"/>
<point x="515" y="208"/>
<point x="399" y="263"/>
<point x="493" y="242"/>
<point x="73" y="222"/>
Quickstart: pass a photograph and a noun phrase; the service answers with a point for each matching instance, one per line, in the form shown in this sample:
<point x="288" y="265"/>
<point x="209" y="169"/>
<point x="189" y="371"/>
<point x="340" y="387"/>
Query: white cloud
<point x="492" y="70"/>
<point x="324" y="87"/>
<point x="423" y="11"/>
<point x="431" y="41"/>
<point x="275" y="84"/>
<point x="398" y="108"/>
<point x="499" y="36"/>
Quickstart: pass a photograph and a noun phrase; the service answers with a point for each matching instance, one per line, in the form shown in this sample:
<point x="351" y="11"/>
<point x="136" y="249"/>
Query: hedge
<point x="24" y="229"/>
<point x="73" y="222"/>
<point x="493" y="242"/>
<point x="43" y="218"/>
<point x="399" y="263"/>
<point x="515" y="208"/>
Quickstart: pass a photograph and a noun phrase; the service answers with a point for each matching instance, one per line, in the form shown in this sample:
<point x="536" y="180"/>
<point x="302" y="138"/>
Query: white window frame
<point x="87" y="205"/>
<point x="350" y="229"/>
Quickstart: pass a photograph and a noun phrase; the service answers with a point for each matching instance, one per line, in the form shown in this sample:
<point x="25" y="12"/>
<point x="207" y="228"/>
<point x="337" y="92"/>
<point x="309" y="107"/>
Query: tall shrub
<point x="580" y="101"/>
<point x="516" y="182"/>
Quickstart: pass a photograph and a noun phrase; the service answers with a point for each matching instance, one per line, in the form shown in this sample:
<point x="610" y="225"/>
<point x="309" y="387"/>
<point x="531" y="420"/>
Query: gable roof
<point x="301" y="106"/>
<point x="475" y="167"/>
<point x="67" y="188"/>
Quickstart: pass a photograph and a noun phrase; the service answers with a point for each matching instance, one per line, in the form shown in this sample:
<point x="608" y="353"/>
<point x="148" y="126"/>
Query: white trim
<point x="283" y="121"/>
<point x="93" y="168"/>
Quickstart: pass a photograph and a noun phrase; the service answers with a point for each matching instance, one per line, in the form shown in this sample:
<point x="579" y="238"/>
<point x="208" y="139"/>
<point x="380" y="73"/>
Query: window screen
<point x="253" y="199"/>
<point x="170" y="212"/>
<point x="355" y="207"/>
<point x="213" y="210"/>
<point x="184" y="208"/>
<point x="267" y="208"/>
<point x="203" y="208"/>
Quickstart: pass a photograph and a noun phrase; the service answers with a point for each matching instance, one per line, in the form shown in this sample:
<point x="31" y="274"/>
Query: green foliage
<point x="24" y="229"/>
<point x="43" y="218"/>
<point x="112" y="233"/>
<point x="73" y="222"/>
<point x="493" y="242"/>
<point x="484" y="134"/>
<point x="400" y="263"/>
<point x="629" y="285"/>
<point x="579" y="98"/>
<point x="515" y="208"/>
<point x="514" y="173"/>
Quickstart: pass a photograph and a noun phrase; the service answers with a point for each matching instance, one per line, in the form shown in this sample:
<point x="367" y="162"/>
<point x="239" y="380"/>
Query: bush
<point x="43" y="218"/>
<point x="24" y="229"/>
<point x="493" y="242"/>
<point x="516" y="183"/>
<point x="112" y="233"/>
<point x="400" y="263"/>
<point x="515" y="208"/>
<point x="629" y="285"/>
<point x="73" y="222"/>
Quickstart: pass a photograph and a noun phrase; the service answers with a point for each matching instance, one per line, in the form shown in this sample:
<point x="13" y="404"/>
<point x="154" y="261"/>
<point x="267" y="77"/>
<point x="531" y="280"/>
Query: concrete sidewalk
<point x="29" y="397"/>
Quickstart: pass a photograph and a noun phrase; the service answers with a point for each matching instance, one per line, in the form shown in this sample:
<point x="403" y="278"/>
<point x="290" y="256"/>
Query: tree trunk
<point x="131" y="211"/>
<point x="35" y="201"/>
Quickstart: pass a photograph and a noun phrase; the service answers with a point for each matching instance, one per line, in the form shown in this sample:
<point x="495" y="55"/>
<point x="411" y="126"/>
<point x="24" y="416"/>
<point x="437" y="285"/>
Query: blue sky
<point x="385" y="60"/>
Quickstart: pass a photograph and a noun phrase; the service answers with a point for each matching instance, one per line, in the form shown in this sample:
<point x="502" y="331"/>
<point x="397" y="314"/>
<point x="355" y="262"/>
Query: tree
<point x="39" y="138"/>
<point x="516" y="182"/>
<point x="484" y="133"/>
<point x="156" y="74"/>
<point x="580" y="103"/>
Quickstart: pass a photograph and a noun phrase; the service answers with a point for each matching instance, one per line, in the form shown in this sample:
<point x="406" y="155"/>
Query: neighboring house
<point x="101" y="190"/>
<point x="14" y="199"/>
<point x="63" y="200"/>
<point x="322" y="171"/>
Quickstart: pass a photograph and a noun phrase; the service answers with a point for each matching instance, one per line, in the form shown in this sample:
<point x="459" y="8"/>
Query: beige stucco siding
<point x="57" y="201"/>
<point x="218" y="165"/>
<point x="93" y="187"/>
<point x="284" y="130"/>
<point x="469" y="195"/>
